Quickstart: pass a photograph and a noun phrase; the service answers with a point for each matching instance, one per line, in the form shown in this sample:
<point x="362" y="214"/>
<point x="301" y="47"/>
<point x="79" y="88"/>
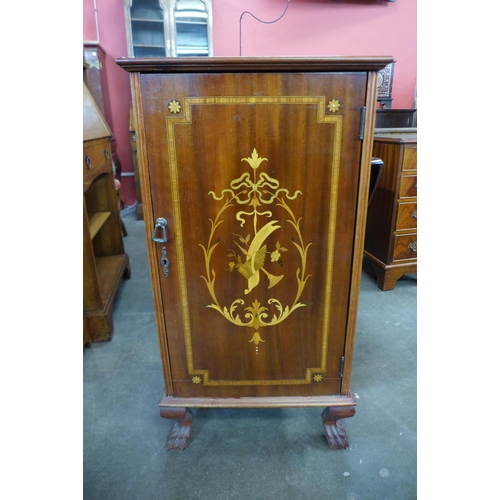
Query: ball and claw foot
<point x="181" y="430"/>
<point x="334" y="430"/>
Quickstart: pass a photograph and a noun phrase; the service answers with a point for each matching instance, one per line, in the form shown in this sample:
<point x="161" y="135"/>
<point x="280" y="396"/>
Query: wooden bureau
<point x="105" y="262"/>
<point x="254" y="177"/>
<point x="391" y="226"/>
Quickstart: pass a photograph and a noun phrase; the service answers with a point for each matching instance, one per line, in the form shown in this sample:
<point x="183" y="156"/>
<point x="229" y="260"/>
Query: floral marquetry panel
<point x="258" y="180"/>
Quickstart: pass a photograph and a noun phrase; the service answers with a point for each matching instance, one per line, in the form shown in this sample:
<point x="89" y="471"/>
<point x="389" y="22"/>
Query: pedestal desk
<point x="254" y="176"/>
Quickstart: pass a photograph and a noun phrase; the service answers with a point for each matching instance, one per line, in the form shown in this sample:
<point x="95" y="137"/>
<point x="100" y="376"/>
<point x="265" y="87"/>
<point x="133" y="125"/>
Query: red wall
<point x="309" y="28"/>
<point x="109" y="31"/>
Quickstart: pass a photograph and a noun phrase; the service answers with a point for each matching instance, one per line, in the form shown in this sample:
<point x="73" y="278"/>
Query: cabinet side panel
<point x="360" y="229"/>
<point x="142" y="158"/>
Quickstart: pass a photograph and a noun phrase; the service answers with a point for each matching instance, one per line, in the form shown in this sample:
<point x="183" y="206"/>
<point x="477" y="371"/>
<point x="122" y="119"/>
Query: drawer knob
<point x="106" y="154"/>
<point x="414" y="215"/>
<point x="88" y="162"/>
<point x="413" y="246"/>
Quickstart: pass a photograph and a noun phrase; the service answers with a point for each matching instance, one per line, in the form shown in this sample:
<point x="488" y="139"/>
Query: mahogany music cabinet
<point x="254" y="176"/>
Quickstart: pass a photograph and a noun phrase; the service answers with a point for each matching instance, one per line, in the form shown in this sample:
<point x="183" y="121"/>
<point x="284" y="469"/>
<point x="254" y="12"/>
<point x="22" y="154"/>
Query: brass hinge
<point x="342" y="359"/>
<point x="362" y="124"/>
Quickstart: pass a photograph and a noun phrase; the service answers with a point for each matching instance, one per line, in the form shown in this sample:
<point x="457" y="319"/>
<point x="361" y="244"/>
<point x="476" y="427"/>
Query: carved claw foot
<point x="181" y="430"/>
<point x="334" y="430"/>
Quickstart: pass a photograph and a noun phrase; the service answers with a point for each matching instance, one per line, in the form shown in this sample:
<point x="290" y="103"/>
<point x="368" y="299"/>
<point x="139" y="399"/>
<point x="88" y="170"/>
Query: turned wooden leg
<point x="335" y="432"/>
<point x="181" y="430"/>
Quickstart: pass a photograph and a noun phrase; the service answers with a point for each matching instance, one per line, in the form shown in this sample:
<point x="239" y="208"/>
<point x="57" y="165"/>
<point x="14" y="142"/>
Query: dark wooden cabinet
<point x="391" y="227"/>
<point x="255" y="176"/>
<point x="105" y="262"/>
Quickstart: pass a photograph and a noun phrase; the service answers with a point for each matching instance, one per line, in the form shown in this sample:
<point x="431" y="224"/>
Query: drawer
<point x="410" y="158"/>
<point x="95" y="156"/>
<point x="407" y="216"/>
<point x="96" y="160"/>
<point x="408" y="186"/>
<point x="405" y="247"/>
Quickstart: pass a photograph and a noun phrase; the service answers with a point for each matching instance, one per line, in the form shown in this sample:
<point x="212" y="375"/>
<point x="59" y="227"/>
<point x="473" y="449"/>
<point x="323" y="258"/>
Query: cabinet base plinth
<point x="388" y="274"/>
<point x="337" y="407"/>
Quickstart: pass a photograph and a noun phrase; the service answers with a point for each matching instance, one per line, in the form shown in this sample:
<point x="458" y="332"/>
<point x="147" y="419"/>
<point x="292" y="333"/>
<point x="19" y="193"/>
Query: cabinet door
<point x="257" y="177"/>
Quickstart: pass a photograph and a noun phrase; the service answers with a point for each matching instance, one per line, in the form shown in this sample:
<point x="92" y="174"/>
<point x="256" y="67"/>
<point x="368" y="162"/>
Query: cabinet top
<point x="253" y="64"/>
<point x="401" y="137"/>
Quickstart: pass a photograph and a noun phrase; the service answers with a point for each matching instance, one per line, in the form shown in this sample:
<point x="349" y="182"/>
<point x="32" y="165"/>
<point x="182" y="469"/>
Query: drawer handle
<point x="88" y="162"/>
<point x="413" y="246"/>
<point x="414" y="215"/>
<point x="106" y="154"/>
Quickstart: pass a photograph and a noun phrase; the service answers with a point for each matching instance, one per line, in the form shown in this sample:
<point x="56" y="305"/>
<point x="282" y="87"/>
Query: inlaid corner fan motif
<point x="255" y="253"/>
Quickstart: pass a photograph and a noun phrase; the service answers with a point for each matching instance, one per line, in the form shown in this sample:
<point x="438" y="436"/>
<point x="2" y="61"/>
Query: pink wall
<point x="309" y="28"/>
<point x="323" y="28"/>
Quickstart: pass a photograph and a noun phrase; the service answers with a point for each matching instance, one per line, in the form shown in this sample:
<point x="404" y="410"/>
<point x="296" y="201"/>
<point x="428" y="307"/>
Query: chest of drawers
<point x="254" y="176"/>
<point x="391" y="226"/>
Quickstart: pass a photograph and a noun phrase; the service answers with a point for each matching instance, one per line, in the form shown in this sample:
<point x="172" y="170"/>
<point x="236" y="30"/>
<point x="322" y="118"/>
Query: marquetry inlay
<point x="174" y="106"/>
<point x="333" y="106"/>
<point x="251" y="255"/>
<point x="255" y="257"/>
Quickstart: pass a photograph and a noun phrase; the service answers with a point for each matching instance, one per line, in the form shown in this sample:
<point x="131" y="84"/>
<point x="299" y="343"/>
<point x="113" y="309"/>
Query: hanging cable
<point x="261" y="21"/>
